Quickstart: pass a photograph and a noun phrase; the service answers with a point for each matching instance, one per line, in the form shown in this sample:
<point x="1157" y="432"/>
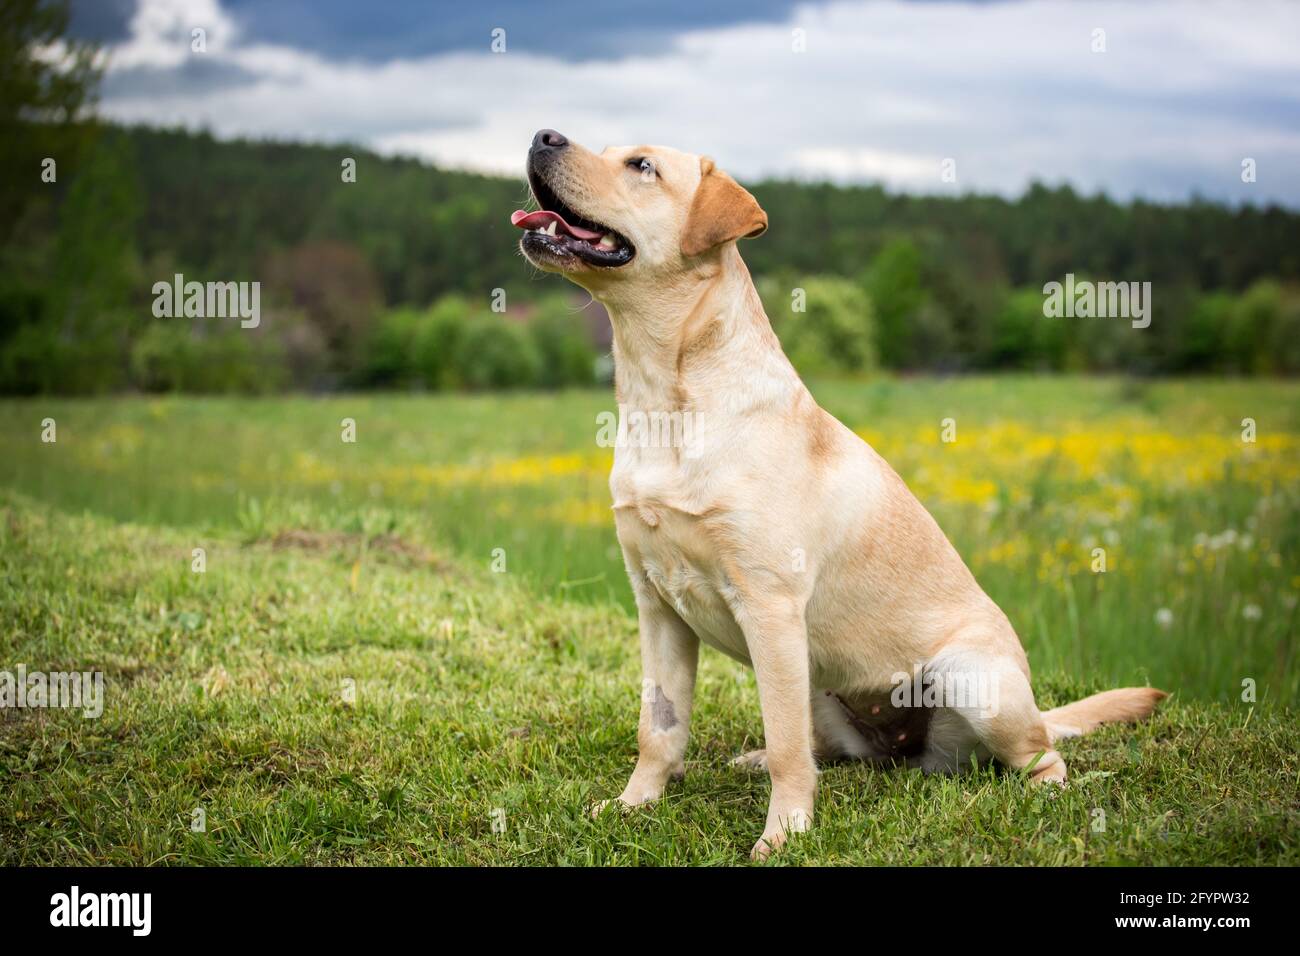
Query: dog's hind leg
<point x="990" y="695"/>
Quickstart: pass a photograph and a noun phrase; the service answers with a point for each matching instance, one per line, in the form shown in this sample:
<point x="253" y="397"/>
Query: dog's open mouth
<point x="555" y="231"/>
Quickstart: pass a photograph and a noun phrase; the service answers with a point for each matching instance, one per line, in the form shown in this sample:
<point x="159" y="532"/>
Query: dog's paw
<point x="774" y="838"/>
<point x="625" y="802"/>
<point x="1049" y="770"/>
<point x="600" y="806"/>
<point x="752" y="760"/>
<point x="767" y="844"/>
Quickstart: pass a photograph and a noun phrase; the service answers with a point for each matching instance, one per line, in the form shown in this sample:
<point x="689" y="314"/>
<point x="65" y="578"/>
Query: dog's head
<point x="628" y="211"/>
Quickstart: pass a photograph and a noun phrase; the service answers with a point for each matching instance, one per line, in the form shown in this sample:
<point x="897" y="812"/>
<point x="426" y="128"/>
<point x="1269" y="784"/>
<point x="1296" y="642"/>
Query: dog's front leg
<point x="778" y="645"/>
<point x="669" y="653"/>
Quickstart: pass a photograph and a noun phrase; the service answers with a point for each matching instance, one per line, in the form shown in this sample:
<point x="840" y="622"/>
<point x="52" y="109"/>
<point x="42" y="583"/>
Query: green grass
<point x="477" y="691"/>
<point x="225" y="692"/>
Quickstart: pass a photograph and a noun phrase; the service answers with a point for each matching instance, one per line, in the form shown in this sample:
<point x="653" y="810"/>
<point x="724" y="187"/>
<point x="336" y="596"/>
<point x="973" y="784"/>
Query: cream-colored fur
<point x="780" y="537"/>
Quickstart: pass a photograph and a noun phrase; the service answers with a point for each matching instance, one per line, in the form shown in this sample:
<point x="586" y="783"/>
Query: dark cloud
<point x="375" y="32"/>
<point x="106" y="20"/>
<point x="194" y="75"/>
<point x="1011" y="92"/>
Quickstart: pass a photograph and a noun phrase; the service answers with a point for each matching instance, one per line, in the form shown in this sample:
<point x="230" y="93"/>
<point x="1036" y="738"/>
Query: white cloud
<point x="162" y="33"/>
<point x="857" y="164"/>
<point x="884" y="91"/>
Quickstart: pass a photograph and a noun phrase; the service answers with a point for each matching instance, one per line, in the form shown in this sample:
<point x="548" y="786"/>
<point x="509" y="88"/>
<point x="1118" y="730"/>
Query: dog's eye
<point x="643" y="166"/>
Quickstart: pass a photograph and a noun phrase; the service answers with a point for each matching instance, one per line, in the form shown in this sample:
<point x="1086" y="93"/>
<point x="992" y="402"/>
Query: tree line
<point x="355" y="252"/>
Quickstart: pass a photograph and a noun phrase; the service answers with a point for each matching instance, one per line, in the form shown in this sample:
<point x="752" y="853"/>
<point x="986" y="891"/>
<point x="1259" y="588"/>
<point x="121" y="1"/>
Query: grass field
<point x="351" y="681"/>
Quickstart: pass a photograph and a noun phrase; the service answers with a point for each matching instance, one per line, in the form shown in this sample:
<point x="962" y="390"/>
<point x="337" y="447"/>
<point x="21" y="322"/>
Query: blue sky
<point x="1161" y="99"/>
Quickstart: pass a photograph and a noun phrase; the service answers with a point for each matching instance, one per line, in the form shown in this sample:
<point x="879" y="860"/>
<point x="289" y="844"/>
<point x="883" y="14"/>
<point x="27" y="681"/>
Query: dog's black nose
<point x="548" y="139"/>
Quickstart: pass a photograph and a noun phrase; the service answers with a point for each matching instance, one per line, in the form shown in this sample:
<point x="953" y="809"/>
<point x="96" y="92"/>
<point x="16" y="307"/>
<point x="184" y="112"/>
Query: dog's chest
<point x="666" y="541"/>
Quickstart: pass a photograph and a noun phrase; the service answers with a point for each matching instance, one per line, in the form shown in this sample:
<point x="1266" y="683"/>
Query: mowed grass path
<point x="350" y="682"/>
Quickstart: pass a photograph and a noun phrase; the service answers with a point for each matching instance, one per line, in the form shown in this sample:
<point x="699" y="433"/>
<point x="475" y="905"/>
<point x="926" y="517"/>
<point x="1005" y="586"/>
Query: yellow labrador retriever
<point x="775" y="535"/>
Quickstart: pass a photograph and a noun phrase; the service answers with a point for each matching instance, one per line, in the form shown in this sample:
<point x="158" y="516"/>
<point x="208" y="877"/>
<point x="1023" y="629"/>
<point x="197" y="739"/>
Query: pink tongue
<point x="543" y="218"/>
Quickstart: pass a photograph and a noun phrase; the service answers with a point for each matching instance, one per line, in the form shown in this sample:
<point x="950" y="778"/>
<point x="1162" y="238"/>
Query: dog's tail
<point x="1126" y="705"/>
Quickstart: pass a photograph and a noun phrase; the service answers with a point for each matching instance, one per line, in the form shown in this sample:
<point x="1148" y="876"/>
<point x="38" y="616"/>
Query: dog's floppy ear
<point x="721" y="211"/>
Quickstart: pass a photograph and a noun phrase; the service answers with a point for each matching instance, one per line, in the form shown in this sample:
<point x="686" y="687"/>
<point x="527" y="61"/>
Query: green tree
<point x="834" y="332"/>
<point x="94" y="301"/>
<point x="437" y="347"/>
<point x="41" y="100"/>
<point x="563" y="343"/>
<point x="1023" y="337"/>
<point x="895" y="286"/>
<point x="496" y="352"/>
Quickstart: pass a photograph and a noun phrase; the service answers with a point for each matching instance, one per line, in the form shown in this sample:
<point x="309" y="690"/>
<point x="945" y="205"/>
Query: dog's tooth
<point x="607" y="241"/>
<point x="549" y="228"/>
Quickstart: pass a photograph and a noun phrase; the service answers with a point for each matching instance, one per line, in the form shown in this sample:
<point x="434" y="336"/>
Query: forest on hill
<point x="396" y="275"/>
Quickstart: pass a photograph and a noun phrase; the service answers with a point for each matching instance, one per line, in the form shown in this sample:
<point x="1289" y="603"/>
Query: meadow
<point x="418" y="646"/>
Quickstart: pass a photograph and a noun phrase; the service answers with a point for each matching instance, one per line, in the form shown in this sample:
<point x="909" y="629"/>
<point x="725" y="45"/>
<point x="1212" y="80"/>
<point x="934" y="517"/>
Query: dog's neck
<point x="701" y="338"/>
